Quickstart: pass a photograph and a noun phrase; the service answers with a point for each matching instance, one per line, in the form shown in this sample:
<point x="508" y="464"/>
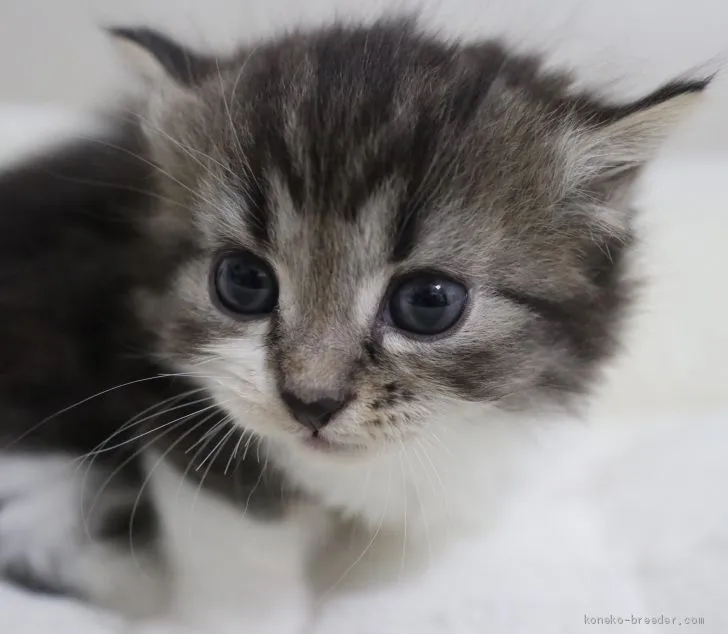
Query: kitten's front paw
<point x="30" y="613"/>
<point x="67" y="531"/>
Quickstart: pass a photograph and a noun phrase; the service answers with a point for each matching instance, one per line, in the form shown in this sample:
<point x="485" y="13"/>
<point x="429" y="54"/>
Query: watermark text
<point x="638" y="619"/>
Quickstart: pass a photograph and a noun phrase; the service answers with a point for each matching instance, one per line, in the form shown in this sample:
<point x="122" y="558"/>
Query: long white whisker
<point x="139" y="451"/>
<point x="189" y="151"/>
<point x="218" y="446"/>
<point x="437" y="439"/>
<point x="151" y="471"/>
<point x="102" y="448"/>
<point x="89" y="457"/>
<point x="191" y="462"/>
<point x="212" y="456"/>
<point x="365" y="488"/>
<point x="420" y="499"/>
<point x="247" y="446"/>
<point x="235" y="450"/>
<point x="166" y="424"/>
<point x="153" y="165"/>
<point x="78" y="404"/>
<point x="261" y="475"/>
<point x="435" y="472"/>
<point x="404" y="509"/>
<point x="367" y="548"/>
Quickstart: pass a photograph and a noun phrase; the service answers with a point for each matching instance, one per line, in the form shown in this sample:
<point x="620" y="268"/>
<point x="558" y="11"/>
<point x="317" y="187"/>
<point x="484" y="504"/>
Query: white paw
<point x="26" y="612"/>
<point x="49" y="538"/>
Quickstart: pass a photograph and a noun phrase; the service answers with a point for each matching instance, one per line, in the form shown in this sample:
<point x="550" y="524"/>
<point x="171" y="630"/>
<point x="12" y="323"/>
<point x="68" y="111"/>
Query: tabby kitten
<point x="369" y="247"/>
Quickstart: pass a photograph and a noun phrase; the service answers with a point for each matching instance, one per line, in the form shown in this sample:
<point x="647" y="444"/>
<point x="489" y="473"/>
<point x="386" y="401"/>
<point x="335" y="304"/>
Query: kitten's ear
<point x="626" y="138"/>
<point x="155" y="57"/>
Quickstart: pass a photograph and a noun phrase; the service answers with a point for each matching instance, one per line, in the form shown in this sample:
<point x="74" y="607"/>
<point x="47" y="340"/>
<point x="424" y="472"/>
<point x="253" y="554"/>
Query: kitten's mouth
<point x="317" y="442"/>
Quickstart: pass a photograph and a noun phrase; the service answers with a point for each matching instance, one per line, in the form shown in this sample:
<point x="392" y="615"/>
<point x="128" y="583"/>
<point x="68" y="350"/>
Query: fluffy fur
<point x="79" y="387"/>
<point x="347" y="158"/>
<point x="352" y="156"/>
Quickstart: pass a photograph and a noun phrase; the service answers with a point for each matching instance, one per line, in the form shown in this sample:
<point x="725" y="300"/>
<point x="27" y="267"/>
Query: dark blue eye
<point x="427" y="304"/>
<point x="245" y="284"/>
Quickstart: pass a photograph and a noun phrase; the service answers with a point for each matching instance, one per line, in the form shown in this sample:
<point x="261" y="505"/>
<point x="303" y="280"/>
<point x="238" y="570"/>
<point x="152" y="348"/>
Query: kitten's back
<point x="71" y="251"/>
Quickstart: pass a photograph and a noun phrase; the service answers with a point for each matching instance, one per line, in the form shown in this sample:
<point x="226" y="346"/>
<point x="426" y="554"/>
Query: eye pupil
<point x="247" y="277"/>
<point x="431" y="296"/>
<point x="427" y="304"/>
<point x="245" y="285"/>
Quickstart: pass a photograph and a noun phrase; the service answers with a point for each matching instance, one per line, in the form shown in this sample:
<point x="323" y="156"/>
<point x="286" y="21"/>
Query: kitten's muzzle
<point x="313" y="414"/>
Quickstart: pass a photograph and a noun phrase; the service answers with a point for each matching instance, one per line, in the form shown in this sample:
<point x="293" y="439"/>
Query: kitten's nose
<point x="313" y="414"/>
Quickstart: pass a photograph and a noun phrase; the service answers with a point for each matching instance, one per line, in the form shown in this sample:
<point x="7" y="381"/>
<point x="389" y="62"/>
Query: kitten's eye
<point x="427" y="304"/>
<point x="245" y="284"/>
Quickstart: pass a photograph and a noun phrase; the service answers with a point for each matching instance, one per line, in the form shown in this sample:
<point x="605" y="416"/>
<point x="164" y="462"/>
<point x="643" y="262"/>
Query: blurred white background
<point x="54" y="50"/>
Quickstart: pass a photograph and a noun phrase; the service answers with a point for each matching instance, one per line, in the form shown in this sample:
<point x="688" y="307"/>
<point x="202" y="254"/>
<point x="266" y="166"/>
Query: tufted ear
<point x="609" y="150"/>
<point x="154" y="56"/>
<point x="622" y="139"/>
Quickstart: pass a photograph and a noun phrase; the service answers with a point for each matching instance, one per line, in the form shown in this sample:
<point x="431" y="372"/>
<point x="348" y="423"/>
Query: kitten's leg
<point x="236" y="573"/>
<point x="68" y="529"/>
<point x="23" y="612"/>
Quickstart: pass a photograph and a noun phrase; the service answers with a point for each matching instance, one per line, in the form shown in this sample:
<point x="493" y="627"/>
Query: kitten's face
<point x="385" y="227"/>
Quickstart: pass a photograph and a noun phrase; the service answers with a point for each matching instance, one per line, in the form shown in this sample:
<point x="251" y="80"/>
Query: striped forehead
<point x="331" y="241"/>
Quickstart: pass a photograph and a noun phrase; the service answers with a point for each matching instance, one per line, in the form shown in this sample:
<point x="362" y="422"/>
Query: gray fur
<point x="348" y="157"/>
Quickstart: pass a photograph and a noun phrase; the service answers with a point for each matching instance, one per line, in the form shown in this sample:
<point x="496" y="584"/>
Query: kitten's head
<point x="383" y="227"/>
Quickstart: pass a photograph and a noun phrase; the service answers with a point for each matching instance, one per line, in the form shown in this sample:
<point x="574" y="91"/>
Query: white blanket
<point x="640" y="491"/>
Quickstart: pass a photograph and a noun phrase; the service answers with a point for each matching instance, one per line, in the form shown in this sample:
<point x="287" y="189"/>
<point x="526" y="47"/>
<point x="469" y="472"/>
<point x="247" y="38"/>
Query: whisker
<point x="247" y="446"/>
<point x="151" y="471"/>
<point x="235" y="450"/>
<point x="436" y="473"/>
<point x="155" y="409"/>
<point x="213" y="455"/>
<point x="127" y="188"/>
<point x="261" y="475"/>
<point x="438" y="440"/>
<point x="208" y="436"/>
<point x="90" y="457"/>
<point x="85" y="400"/>
<point x="102" y="448"/>
<point x="189" y="151"/>
<point x="163" y="425"/>
<point x="205" y="438"/>
<point x="151" y="164"/>
<point x="143" y="448"/>
<point x="228" y="113"/>
<point x="241" y="152"/>
<point x="191" y="462"/>
<point x="404" y="510"/>
<point x="365" y="488"/>
<point x="367" y="548"/>
<point x="222" y="441"/>
<point x="425" y="470"/>
<point x="420" y="503"/>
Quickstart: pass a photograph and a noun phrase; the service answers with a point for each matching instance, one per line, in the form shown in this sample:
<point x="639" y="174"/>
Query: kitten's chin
<point x="454" y="467"/>
<point x="323" y="446"/>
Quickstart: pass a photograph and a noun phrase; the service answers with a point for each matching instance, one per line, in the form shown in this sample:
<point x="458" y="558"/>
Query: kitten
<point x="399" y="241"/>
<point x="385" y="256"/>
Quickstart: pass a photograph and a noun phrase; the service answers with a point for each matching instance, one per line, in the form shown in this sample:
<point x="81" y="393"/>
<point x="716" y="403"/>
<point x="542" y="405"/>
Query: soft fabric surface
<point x="638" y="491"/>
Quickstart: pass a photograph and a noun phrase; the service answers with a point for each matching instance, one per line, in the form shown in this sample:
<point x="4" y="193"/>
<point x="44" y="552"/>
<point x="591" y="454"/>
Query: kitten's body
<point x="346" y="163"/>
<point x="79" y="392"/>
<point x="69" y="253"/>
